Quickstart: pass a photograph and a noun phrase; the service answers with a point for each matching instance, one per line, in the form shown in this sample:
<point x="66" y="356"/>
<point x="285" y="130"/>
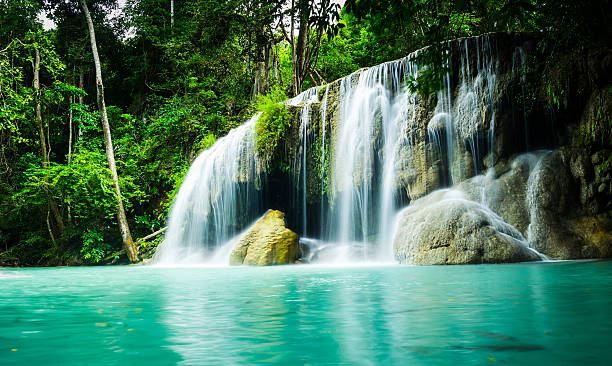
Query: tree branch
<point x="152" y="235"/>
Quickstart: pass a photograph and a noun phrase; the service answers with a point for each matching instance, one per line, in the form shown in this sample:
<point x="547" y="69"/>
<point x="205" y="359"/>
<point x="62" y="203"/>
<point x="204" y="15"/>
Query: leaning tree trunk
<point x="43" y="144"/>
<point x="128" y="243"/>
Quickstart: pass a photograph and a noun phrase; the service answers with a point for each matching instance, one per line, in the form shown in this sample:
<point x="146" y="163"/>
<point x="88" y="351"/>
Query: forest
<point x="102" y="113"/>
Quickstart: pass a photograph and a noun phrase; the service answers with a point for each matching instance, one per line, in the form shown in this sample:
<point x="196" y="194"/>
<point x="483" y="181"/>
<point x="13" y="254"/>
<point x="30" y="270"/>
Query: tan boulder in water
<point x="267" y="242"/>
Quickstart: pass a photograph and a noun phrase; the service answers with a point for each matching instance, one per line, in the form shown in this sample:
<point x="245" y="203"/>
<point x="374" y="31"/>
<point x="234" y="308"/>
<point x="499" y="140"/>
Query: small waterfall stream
<point x="220" y="194"/>
<point x="300" y="161"/>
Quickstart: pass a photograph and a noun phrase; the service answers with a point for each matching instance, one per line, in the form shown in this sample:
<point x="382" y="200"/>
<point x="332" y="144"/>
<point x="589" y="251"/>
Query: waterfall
<point x="219" y="196"/>
<point x="458" y="122"/>
<point x="519" y="66"/>
<point x="322" y="172"/>
<point x="368" y="141"/>
<point x="396" y="139"/>
<point x="304" y="125"/>
<point x="300" y="162"/>
<point x="372" y="114"/>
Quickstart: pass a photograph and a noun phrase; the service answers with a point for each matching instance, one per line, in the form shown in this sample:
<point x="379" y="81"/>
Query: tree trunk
<point x="43" y="142"/>
<point x="41" y="128"/>
<point x="81" y="77"/>
<point x="70" y="130"/>
<point x="300" y="55"/>
<point x="171" y="13"/>
<point x="261" y="84"/>
<point x="128" y="243"/>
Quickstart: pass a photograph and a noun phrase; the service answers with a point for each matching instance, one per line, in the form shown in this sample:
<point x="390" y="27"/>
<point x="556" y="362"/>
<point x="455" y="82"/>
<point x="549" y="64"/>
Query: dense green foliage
<point x="174" y="83"/>
<point x="273" y="122"/>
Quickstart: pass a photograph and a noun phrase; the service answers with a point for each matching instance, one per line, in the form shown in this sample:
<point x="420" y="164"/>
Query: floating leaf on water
<point x="492" y="359"/>
<point x="130" y="330"/>
<point x="101" y="324"/>
<point x="13" y="349"/>
<point x="100" y="311"/>
<point x="451" y="299"/>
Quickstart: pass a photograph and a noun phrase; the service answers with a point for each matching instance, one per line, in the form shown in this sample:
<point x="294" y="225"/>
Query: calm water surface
<point x="519" y="314"/>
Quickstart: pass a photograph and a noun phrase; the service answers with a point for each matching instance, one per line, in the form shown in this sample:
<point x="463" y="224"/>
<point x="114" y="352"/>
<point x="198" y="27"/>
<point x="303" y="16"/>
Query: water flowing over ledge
<point x="363" y="154"/>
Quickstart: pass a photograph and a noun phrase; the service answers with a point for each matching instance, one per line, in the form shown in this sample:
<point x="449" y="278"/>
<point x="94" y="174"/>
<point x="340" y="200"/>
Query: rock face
<point x="561" y="225"/>
<point x="446" y="228"/>
<point x="551" y="199"/>
<point x="504" y="190"/>
<point x="267" y="242"/>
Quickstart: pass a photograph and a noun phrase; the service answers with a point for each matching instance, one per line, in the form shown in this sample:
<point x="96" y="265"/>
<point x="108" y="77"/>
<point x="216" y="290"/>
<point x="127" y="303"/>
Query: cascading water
<point x="323" y="211"/>
<point x="217" y="198"/>
<point x="519" y="66"/>
<point x="460" y="121"/>
<point x="371" y="136"/>
<point x="303" y="176"/>
<point x="300" y="163"/>
<point x="372" y="113"/>
<point x="396" y="139"/>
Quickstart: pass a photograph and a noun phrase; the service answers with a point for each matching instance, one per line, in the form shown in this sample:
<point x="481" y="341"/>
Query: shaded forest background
<point x="179" y="74"/>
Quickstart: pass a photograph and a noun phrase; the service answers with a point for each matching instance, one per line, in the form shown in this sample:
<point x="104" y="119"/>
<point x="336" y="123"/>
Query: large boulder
<point x="267" y="242"/>
<point x="445" y="228"/>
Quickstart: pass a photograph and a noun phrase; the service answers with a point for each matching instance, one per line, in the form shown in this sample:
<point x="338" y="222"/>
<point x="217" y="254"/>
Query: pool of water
<point x="527" y="314"/>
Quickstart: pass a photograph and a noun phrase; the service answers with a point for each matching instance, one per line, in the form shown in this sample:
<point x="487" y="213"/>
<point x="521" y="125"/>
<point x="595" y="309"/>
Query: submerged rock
<point x="267" y="242"/>
<point x="445" y="228"/>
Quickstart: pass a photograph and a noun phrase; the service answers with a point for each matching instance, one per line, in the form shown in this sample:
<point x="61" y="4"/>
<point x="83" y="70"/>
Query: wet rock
<point x="267" y="242"/>
<point x="546" y="197"/>
<point x="446" y="228"/>
<point x="595" y="234"/>
<point x="505" y="194"/>
<point x="561" y="227"/>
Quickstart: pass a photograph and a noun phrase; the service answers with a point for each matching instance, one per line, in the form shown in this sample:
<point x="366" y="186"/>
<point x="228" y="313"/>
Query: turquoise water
<point x="519" y="314"/>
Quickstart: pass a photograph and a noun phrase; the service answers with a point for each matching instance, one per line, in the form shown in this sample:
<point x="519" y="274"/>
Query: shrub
<point x="273" y="123"/>
<point x="94" y="248"/>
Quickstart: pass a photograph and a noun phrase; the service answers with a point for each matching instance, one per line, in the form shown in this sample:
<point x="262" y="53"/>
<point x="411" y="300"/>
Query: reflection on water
<point x="518" y="314"/>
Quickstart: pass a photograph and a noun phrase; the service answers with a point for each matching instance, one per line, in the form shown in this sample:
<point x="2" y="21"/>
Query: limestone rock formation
<point x="504" y="190"/>
<point x="267" y="242"/>
<point x="445" y="228"/>
<point x="561" y="225"/>
<point x="550" y="197"/>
